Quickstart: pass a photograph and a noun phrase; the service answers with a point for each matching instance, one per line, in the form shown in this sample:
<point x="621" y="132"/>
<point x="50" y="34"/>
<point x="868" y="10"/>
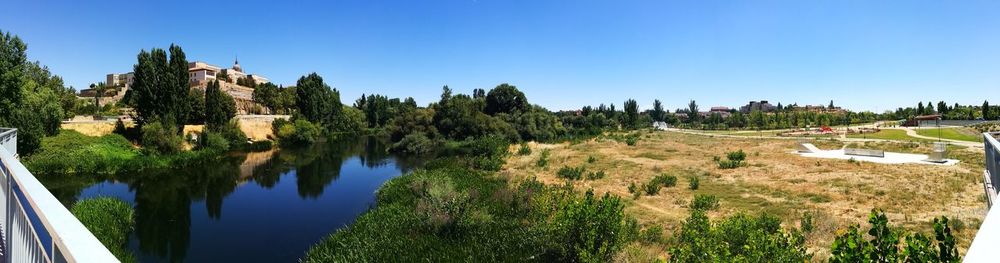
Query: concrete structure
<point x="36" y="227"/>
<point x="809" y="150"/>
<point x="763" y="106"/>
<point x="983" y="248"/>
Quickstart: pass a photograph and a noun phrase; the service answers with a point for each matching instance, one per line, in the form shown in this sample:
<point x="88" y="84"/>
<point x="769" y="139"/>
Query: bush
<point x="300" y="132"/>
<point x="232" y="133"/>
<point x="571" y="173"/>
<point x="524" y="150"/>
<point x="665" y="180"/>
<point x="739" y="238"/>
<point x="591" y="159"/>
<point x="543" y="159"/>
<point x="161" y="138"/>
<point x="883" y="246"/>
<point x="414" y="143"/>
<point x="595" y="175"/>
<point x="258" y="146"/>
<point x="440" y="206"/>
<point x="737" y="156"/>
<point x="733" y="160"/>
<point x="652" y="235"/>
<point x="212" y="140"/>
<point x="110" y="220"/>
<point x="704" y="202"/>
<point x="652" y="188"/>
<point x="806" y="223"/>
<point x="591" y="229"/>
<point x="693" y="182"/>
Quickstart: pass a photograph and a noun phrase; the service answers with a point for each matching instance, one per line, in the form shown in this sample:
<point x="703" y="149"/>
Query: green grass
<point x="110" y="220"/>
<point x="888" y="134"/>
<point x="71" y="152"/>
<point x="961" y="134"/>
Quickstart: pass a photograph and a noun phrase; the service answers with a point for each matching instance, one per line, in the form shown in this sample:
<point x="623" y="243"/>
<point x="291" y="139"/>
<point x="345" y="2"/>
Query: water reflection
<point x="169" y="217"/>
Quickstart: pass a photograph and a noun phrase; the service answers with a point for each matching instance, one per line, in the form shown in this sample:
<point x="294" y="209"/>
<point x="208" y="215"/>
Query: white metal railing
<point x="983" y="248"/>
<point x="35" y="226"/>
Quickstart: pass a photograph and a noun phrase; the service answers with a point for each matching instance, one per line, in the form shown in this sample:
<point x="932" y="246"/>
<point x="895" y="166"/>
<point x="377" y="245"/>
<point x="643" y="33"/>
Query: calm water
<point x="251" y="207"/>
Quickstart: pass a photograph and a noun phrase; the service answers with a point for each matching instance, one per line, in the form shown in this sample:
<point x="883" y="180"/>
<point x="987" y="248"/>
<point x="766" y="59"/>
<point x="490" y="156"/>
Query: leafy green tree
<point x="223" y="76"/>
<point x="197" y="115"/>
<point x="692" y="112"/>
<point x="631" y="117"/>
<point x="267" y="94"/>
<point x="160" y="88"/>
<point x="986" y="111"/>
<point x="658" y="113"/>
<point x="591" y="229"/>
<point x="315" y="100"/>
<point x="99" y="90"/>
<point x="12" y="60"/>
<point x="350" y="120"/>
<point x="219" y="106"/>
<point x="884" y="244"/>
<point x="739" y="238"/>
<point x="505" y="98"/>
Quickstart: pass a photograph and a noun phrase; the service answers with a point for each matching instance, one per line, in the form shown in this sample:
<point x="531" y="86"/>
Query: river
<point x="248" y="207"/>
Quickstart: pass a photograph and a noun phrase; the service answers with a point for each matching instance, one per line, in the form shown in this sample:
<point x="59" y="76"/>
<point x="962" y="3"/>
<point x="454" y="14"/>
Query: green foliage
<point x="378" y="110"/>
<point x="160" y="138"/>
<point x="543" y="159"/>
<point x="806" y="222"/>
<point x="884" y="243"/>
<point x="589" y="229"/>
<point x="652" y="235"/>
<point x="299" y="132"/>
<point x="704" y="202"/>
<point x="350" y="121"/>
<point x="591" y="159"/>
<point x="212" y="140"/>
<point x="110" y="220"/>
<point x="417" y="121"/>
<point x="441" y="207"/>
<point x="315" y="100"/>
<point x="232" y="133"/>
<point x="738" y="238"/>
<point x="161" y="87"/>
<point x="414" y="143"/>
<point x="524" y="150"/>
<point x="693" y="182"/>
<point x="651" y="188"/>
<point x="665" y="180"/>
<point x="733" y="160"/>
<point x="595" y="175"/>
<point x="505" y="98"/>
<point x="571" y="173"/>
<point x="258" y="146"/>
<point x="32" y="99"/>
<point x="219" y="107"/>
<point x="631" y="117"/>
<point x="197" y="102"/>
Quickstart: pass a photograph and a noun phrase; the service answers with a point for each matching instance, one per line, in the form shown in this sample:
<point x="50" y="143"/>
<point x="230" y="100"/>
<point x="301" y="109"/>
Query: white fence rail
<point x="984" y="246"/>
<point x="35" y="226"/>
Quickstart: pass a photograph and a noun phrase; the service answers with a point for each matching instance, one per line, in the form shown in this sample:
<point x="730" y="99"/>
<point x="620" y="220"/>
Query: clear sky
<point x="865" y="55"/>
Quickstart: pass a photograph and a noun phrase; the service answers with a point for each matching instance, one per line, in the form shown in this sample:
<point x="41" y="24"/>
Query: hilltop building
<point x="762" y="106"/>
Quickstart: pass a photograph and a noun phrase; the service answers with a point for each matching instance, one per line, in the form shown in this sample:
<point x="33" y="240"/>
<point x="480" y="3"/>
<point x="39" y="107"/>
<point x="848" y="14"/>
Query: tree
<point x="267" y="94"/>
<point x="986" y="110"/>
<point x="246" y="82"/>
<point x="505" y="98"/>
<point x="884" y="246"/>
<point x="831" y="105"/>
<point x="12" y="60"/>
<point x="920" y="108"/>
<point x="160" y="88"/>
<point x="219" y="107"/>
<point x="658" y="113"/>
<point x="942" y="107"/>
<point x="692" y="112"/>
<point x="197" y="115"/>
<point x="631" y="117"/>
<point x="315" y="100"/>
<point x="99" y="90"/>
<point x="223" y="76"/>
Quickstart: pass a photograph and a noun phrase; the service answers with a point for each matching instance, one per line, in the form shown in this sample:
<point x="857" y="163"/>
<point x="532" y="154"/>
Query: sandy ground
<point x="256" y="127"/>
<point x="776" y="181"/>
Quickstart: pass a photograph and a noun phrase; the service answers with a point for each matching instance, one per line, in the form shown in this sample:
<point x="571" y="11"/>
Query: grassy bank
<point x="71" y="152"/>
<point x="110" y="220"/>
<point x="961" y="134"/>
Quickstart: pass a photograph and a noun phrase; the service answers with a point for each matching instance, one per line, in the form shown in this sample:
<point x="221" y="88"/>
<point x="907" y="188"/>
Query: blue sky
<point x="865" y="55"/>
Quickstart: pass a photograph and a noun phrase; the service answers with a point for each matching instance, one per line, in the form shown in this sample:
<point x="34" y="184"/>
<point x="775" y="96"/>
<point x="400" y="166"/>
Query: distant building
<point x="719" y="109"/>
<point x="762" y="106"/>
<point x="201" y="72"/>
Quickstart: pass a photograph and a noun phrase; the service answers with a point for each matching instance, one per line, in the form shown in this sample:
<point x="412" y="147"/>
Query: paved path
<point x="843" y="139"/>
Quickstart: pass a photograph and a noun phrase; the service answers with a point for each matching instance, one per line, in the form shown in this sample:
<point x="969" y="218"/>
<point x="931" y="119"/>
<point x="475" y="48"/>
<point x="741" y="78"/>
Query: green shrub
<point x="595" y="175"/>
<point x="652" y="188"/>
<point x="524" y="150"/>
<point x="300" y="132"/>
<point x="704" y="202"/>
<point x="883" y="244"/>
<point x="631" y="140"/>
<point x="733" y="160"/>
<point x="414" y="143"/>
<point x="543" y="159"/>
<point x="232" y="133"/>
<point x="571" y="173"/>
<point x="591" y="159"/>
<point x="589" y="229"/>
<point x="258" y="146"/>
<point x="212" y="140"/>
<point x="739" y="238"/>
<point x="665" y="180"/>
<point x="806" y="223"/>
<point x="737" y="156"/>
<point x="652" y="235"/>
<point x="693" y="182"/>
<point x="440" y="206"/>
<point x="110" y="220"/>
<point x="161" y="138"/>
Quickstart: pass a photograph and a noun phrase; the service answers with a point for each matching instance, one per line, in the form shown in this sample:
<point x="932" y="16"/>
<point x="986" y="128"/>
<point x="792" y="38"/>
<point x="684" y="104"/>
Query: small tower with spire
<point x="236" y="65"/>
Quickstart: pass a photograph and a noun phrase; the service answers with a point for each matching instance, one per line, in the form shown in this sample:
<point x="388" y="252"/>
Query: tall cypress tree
<point x="160" y="88"/>
<point x="219" y="107"/>
<point x="986" y="110"/>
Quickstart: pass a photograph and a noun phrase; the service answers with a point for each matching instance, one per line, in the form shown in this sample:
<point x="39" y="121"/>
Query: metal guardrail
<point x="36" y="227"/>
<point x="983" y="248"/>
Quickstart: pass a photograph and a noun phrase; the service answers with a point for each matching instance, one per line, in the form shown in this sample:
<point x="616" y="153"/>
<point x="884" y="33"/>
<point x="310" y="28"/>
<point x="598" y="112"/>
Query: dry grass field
<point x="776" y="181"/>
